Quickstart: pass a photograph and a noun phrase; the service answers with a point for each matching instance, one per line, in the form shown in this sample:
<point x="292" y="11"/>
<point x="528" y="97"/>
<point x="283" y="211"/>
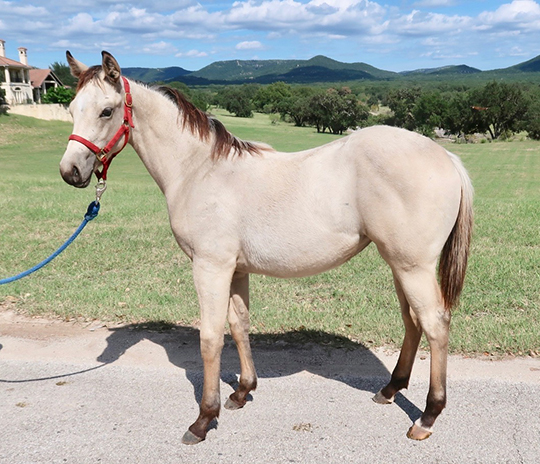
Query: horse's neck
<point x="166" y="148"/>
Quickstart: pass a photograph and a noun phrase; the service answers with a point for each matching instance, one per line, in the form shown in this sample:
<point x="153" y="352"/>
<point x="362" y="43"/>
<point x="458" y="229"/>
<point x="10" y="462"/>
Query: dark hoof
<point x="190" y="438"/>
<point x="232" y="405"/>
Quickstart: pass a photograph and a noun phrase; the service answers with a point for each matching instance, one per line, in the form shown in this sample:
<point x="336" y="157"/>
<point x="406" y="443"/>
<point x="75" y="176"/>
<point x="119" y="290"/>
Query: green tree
<point x="429" y="112"/>
<point x="402" y="102"/>
<point x="269" y="98"/>
<point x="3" y="108"/>
<point x="61" y="95"/>
<point x="531" y="123"/>
<point x="237" y="100"/>
<point x="460" y="118"/>
<point x="501" y="107"/>
<point x="297" y="106"/>
<point x="63" y="73"/>
<point x="337" y="110"/>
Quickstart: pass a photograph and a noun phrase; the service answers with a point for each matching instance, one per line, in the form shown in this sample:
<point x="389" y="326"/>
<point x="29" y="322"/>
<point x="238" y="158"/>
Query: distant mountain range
<point x="319" y="69"/>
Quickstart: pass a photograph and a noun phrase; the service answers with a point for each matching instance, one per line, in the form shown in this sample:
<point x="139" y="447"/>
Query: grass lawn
<point x="127" y="266"/>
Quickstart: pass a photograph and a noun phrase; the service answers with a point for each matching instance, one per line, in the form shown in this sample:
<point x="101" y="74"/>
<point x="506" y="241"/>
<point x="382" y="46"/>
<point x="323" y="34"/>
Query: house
<point x="43" y="80"/>
<point x="22" y="83"/>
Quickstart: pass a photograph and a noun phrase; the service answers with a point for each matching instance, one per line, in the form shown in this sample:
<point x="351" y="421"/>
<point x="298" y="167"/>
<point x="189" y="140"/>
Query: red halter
<point x="101" y="153"/>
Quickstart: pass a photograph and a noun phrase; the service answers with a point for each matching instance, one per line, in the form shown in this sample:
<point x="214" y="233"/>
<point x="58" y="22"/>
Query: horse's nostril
<point x="76" y="174"/>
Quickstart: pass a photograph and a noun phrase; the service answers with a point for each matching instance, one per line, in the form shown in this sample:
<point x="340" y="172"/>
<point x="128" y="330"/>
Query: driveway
<point x="87" y="393"/>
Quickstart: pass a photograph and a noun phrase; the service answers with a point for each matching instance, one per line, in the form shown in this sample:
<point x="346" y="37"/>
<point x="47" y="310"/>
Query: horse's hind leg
<point x="239" y="324"/>
<point x="421" y="289"/>
<point x="402" y="371"/>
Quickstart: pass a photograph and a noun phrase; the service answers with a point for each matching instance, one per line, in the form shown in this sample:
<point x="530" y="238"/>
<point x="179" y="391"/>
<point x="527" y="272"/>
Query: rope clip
<point x="100" y="188"/>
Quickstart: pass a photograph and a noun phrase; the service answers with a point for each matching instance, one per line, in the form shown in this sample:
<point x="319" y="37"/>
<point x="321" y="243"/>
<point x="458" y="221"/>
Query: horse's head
<point x="98" y="112"/>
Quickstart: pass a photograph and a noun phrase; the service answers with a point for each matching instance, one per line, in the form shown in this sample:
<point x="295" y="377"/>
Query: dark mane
<point x="86" y="76"/>
<point x="204" y="125"/>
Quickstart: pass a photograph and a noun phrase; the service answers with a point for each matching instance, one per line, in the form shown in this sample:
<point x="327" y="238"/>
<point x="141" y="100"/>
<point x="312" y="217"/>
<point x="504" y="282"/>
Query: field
<point x="126" y="265"/>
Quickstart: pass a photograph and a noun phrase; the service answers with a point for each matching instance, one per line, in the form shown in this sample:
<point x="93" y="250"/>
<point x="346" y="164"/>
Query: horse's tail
<point x="455" y="253"/>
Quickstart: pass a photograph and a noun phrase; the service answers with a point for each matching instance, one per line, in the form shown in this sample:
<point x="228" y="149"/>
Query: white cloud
<point x="520" y="14"/>
<point x="159" y="48"/>
<point x="418" y="23"/>
<point x="191" y="54"/>
<point x="359" y="28"/>
<point x="24" y="11"/>
<point x="433" y="3"/>
<point x="249" y="45"/>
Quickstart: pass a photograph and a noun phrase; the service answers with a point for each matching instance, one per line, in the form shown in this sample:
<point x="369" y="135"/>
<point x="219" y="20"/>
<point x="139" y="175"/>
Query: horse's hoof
<point x="232" y="405"/>
<point x="190" y="438"/>
<point x="379" y="398"/>
<point x="417" y="432"/>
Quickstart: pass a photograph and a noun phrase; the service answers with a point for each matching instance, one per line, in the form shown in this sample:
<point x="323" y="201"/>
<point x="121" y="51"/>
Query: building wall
<point x="17" y="85"/>
<point x="48" y="112"/>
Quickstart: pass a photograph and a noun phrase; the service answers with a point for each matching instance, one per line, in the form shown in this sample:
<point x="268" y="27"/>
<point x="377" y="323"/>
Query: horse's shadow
<point x="326" y="355"/>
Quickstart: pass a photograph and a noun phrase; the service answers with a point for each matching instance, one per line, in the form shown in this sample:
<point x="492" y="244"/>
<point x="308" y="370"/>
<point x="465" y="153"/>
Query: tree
<point x="3" y="109"/>
<point x="337" y="110"/>
<point x="500" y="108"/>
<point x="60" y="95"/>
<point x="429" y="112"/>
<point x="237" y="100"/>
<point x="460" y="118"/>
<point x="531" y="124"/>
<point x="402" y="102"/>
<point x="268" y="98"/>
<point x="63" y="73"/>
<point x="297" y="106"/>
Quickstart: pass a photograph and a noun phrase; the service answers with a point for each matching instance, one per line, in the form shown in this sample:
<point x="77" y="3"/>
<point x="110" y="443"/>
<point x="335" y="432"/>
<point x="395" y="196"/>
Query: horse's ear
<point x="111" y="67"/>
<point x="76" y="67"/>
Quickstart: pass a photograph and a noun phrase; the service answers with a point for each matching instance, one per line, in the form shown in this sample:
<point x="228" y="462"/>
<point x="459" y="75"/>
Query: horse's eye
<point x="106" y="113"/>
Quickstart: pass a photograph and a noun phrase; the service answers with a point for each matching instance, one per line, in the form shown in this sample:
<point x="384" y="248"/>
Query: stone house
<point x="21" y="82"/>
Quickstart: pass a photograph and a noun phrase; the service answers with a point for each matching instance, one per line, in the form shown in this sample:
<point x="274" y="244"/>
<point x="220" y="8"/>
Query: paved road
<point x="71" y="393"/>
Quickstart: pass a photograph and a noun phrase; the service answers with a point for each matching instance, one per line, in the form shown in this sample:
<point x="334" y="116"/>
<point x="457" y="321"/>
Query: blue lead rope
<point x="91" y="213"/>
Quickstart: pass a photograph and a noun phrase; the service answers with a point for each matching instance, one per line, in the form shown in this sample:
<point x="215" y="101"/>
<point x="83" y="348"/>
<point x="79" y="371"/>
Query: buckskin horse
<point x="240" y="207"/>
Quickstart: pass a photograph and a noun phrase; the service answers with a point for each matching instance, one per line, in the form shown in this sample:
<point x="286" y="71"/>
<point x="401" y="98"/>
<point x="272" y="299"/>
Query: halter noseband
<point x="101" y="153"/>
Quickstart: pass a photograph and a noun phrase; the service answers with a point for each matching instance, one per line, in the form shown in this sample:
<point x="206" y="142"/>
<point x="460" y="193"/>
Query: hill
<point x="444" y="70"/>
<point x="155" y="74"/>
<point x="319" y="69"/>
<point x="528" y="66"/>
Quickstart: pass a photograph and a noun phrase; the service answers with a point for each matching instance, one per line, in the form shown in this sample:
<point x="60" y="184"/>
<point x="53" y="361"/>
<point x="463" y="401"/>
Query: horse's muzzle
<point x="72" y="175"/>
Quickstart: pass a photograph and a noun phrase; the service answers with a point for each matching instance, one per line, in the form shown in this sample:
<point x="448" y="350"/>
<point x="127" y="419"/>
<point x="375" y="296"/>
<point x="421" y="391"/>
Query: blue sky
<point x="395" y="35"/>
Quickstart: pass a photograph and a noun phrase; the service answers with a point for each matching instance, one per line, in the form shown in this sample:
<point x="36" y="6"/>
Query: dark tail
<point x="455" y="253"/>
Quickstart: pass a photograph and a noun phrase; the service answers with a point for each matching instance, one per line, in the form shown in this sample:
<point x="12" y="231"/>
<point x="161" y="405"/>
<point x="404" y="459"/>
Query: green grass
<point x="126" y="265"/>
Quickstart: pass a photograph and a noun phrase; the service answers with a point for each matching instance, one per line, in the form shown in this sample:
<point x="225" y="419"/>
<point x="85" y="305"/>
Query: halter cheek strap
<point x="101" y="153"/>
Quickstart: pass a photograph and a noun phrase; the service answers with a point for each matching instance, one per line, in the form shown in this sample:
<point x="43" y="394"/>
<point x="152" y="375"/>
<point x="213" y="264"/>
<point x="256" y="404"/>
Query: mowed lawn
<point x="126" y="265"/>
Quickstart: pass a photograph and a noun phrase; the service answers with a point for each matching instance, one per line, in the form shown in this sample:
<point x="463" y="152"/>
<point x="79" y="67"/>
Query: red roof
<point x="37" y="76"/>
<point x="12" y="63"/>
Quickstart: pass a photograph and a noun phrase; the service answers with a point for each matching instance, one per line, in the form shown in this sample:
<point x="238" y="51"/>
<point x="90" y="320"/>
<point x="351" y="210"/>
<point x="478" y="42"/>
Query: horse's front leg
<point x="213" y="284"/>
<point x="239" y="324"/>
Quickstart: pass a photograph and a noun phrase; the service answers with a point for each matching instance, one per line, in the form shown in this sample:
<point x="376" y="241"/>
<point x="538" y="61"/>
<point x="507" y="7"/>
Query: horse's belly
<point x="298" y="257"/>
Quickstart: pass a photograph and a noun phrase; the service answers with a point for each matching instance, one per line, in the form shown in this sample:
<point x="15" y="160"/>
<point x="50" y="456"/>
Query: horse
<point x="239" y="207"/>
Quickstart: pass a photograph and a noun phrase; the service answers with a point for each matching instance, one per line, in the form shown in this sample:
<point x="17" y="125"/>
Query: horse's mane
<point x="203" y="124"/>
<point x="196" y="120"/>
<point x="86" y="76"/>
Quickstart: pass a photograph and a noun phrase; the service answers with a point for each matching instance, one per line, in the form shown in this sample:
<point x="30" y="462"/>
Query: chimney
<point x="2" y="48"/>
<point x="22" y="56"/>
